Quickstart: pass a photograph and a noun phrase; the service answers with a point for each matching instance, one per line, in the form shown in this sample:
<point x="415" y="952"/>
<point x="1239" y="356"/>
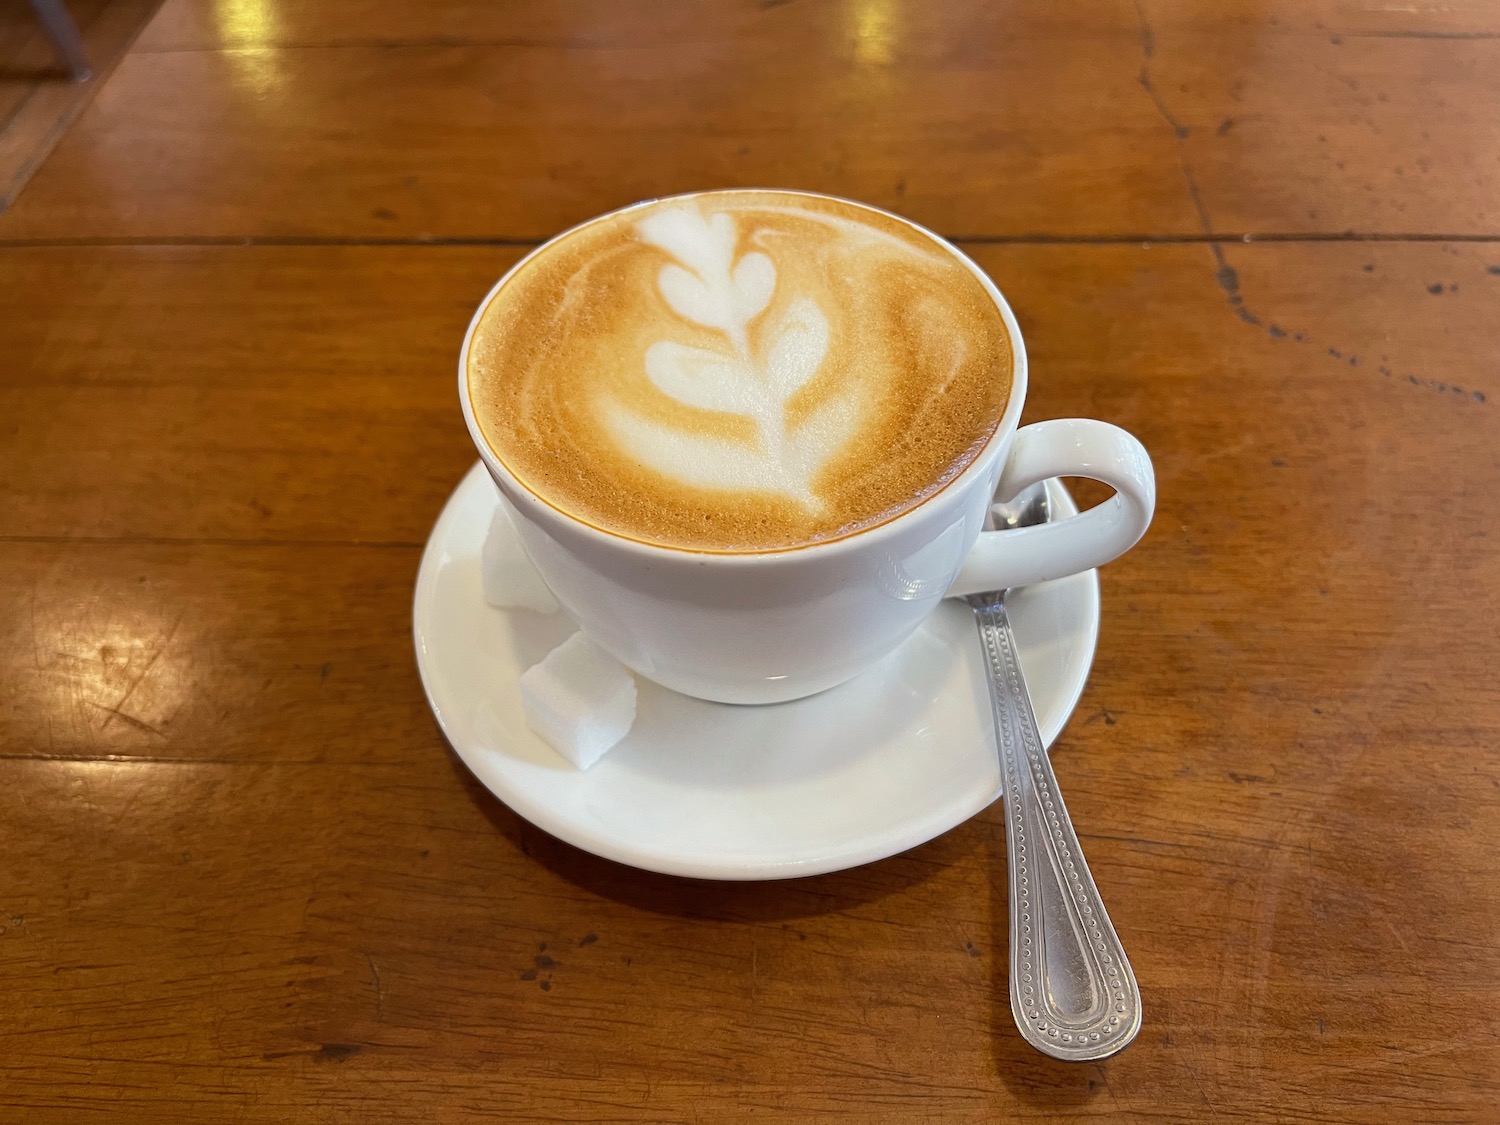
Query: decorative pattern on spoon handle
<point x="1072" y="991"/>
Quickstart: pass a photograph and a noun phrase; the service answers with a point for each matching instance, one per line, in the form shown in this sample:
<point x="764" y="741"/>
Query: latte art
<point x="739" y="371"/>
<point x="707" y="286"/>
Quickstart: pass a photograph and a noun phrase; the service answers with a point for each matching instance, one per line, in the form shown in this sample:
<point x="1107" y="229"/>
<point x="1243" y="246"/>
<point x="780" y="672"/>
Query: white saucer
<point x="887" y="761"/>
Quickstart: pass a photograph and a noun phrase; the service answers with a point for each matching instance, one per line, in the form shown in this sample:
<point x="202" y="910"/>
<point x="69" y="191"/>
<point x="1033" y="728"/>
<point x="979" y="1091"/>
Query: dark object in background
<point x="60" y="28"/>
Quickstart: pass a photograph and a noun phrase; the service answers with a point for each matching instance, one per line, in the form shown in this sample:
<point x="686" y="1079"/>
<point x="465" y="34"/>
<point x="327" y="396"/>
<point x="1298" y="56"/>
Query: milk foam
<point x="739" y="370"/>
<point x="707" y="285"/>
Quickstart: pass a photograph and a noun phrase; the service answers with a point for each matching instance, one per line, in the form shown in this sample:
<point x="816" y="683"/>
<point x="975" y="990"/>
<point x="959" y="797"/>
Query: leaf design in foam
<point x="754" y="280"/>
<point x="799" y="343"/>
<point x="693" y="299"/>
<point x="707" y="286"/>
<point x="821" y="434"/>
<point x="713" y="462"/>
<point x="701" y="378"/>
<point x="703" y="288"/>
<point x="703" y="245"/>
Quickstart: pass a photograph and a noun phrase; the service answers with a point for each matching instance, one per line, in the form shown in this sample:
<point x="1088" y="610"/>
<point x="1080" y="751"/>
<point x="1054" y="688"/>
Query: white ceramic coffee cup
<point x="777" y="625"/>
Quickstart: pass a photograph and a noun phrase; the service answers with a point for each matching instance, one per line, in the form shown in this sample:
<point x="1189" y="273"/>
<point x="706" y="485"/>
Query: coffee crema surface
<point x="739" y="371"/>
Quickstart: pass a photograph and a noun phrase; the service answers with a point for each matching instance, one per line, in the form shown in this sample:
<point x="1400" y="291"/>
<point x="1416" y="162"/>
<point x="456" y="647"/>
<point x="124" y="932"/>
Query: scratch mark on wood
<point x="1102" y="1073"/>
<point x="1193" y="1074"/>
<point x="131" y="720"/>
<point x="379" y="988"/>
<point x="146" y="671"/>
<point x="1148" y="48"/>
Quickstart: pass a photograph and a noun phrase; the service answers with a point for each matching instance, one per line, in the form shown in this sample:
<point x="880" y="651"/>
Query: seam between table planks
<point x="214" y="763"/>
<point x="1030" y="239"/>
<point x="211" y="541"/>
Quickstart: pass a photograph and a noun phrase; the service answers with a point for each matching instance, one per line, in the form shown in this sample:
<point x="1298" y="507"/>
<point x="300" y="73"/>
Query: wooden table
<point x="243" y="878"/>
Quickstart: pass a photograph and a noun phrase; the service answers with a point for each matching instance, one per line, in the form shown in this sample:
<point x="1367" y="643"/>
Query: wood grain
<point x="470" y="121"/>
<point x="119" y="649"/>
<point x="246" y="881"/>
<point x="189" y="25"/>
<point x="38" y="99"/>
<point x="315" y="385"/>
<point x="433" y="141"/>
<point x="396" y="943"/>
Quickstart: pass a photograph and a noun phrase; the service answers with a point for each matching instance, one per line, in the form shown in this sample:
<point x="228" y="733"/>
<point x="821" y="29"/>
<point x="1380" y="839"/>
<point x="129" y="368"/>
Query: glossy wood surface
<point x="38" y="97"/>
<point x="514" y="120"/>
<point x="242" y="877"/>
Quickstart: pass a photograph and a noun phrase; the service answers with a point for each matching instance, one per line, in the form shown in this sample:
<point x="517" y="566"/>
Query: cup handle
<point x="1064" y="447"/>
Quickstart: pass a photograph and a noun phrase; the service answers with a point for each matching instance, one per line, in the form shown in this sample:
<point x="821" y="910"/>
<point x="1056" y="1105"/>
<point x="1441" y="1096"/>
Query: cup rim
<point x="526" y="498"/>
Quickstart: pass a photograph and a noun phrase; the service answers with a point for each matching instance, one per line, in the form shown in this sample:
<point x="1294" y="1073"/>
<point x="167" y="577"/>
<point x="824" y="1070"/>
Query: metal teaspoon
<point x="1072" y="991"/>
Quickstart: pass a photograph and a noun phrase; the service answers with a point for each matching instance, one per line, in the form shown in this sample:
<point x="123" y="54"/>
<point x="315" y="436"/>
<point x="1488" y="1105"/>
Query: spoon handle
<point x="1072" y="991"/>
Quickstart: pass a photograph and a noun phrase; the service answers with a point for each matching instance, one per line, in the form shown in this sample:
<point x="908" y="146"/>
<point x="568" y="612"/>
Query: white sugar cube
<point x="510" y="579"/>
<point x="580" y="699"/>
